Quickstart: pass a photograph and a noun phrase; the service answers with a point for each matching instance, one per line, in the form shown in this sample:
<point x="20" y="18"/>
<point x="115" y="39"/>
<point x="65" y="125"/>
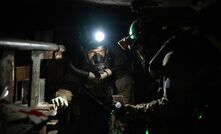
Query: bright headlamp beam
<point x="99" y="36"/>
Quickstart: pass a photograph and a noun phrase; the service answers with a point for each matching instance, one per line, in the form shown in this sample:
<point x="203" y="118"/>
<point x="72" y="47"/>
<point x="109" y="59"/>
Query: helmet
<point x="127" y="42"/>
<point x="136" y="30"/>
<point x="92" y="38"/>
<point x="139" y="30"/>
<point x="142" y="39"/>
<point x="94" y="47"/>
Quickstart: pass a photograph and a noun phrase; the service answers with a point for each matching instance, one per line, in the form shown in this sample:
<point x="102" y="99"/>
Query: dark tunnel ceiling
<point x="157" y="3"/>
<point x="128" y="3"/>
<point x="26" y="14"/>
<point x="51" y="13"/>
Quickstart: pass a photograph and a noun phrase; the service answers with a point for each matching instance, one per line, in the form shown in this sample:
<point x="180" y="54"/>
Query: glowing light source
<point x="99" y="36"/>
<point x="147" y="132"/>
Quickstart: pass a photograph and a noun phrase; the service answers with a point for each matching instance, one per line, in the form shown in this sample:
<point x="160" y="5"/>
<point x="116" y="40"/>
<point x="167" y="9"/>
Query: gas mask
<point x="97" y="60"/>
<point x="94" y="48"/>
<point x="133" y="46"/>
<point x="127" y="43"/>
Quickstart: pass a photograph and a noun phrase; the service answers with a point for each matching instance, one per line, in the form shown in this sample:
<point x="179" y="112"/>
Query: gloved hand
<point x="63" y="96"/>
<point x="129" y="108"/>
<point x="104" y="75"/>
<point x="60" y="102"/>
<point x="117" y="104"/>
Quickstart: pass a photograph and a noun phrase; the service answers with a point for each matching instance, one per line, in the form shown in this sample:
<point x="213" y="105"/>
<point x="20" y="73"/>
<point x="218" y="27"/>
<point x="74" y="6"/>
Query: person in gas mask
<point x="172" y="110"/>
<point x="88" y="85"/>
<point x="146" y="37"/>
